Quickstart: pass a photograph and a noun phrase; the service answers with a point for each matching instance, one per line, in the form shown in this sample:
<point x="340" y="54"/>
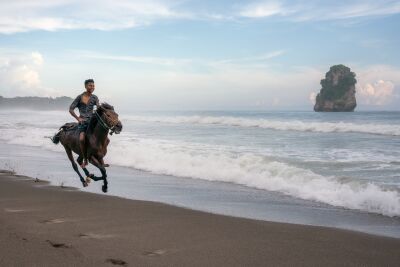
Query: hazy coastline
<point x="35" y="103"/>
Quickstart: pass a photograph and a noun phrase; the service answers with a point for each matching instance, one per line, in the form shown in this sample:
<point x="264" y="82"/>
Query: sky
<point x="200" y="55"/>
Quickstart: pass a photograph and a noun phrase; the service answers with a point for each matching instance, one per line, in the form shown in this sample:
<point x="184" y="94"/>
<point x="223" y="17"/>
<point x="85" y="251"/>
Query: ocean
<point x="330" y="169"/>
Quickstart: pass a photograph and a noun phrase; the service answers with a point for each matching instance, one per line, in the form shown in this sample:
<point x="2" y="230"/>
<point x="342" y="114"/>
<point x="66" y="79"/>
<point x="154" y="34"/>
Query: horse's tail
<point x="66" y="127"/>
<point x="56" y="137"/>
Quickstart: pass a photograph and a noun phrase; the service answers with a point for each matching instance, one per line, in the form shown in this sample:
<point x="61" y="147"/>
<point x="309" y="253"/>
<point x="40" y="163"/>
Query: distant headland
<point x="36" y="103"/>
<point x="338" y="91"/>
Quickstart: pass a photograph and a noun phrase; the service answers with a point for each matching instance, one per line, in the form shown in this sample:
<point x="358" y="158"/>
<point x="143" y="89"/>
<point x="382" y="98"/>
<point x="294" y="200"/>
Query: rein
<point x="103" y="124"/>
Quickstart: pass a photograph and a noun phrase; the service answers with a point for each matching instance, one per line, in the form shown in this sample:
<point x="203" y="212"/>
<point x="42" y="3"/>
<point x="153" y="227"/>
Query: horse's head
<point x="109" y="117"/>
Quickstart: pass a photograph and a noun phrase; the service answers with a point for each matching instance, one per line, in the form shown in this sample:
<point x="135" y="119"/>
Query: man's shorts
<point x="82" y="127"/>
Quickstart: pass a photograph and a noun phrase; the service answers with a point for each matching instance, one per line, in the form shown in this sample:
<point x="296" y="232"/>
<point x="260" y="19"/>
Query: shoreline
<point x="49" y="225"/>
<point x="208" y="196"/>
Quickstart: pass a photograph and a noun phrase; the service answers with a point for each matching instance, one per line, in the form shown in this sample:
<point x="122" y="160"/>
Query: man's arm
<point x="73" y="106"/>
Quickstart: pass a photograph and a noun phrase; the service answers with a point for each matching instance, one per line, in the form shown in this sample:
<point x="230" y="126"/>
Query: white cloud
<point x="263" y="57"/>
<point x="53" y="15"/>
<point x="20" y="75"/>
<point x="366" y="8"/>
<point x="223" y="87"/>
<point x="312" y="97"/>
<point x="264" y="9"/>
<point x="182" y="62"/>
<point x="22" y="16"/>
<point x="378" y="85"/>
<point x="244" y="82"/>
<point x="379" y="93"/>
<point x="195" y="83"/>
<point x="37" y="58"/>
<point x="318" y="10"/>
<point x="162" y="61"/>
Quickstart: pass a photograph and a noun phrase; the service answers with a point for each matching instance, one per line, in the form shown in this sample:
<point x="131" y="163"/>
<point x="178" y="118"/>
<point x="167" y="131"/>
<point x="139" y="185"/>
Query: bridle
<point x="104" y="124"/>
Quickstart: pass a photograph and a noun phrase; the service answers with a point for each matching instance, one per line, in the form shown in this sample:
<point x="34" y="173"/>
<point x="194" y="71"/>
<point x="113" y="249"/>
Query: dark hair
<point x="88" y="81"/>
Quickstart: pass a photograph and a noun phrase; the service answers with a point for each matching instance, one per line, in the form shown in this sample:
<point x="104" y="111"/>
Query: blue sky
<point x="156" y="55"/>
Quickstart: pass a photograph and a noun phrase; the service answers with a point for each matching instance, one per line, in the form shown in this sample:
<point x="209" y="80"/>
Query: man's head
<point x="89" y="85"/>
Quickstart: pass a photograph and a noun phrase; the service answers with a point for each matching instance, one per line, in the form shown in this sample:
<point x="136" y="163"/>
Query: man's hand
<point x="71" y="111"/>
<point x="80" y="120"/>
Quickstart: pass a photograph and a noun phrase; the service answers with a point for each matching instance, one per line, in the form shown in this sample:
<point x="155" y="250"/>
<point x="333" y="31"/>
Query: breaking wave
<point x="230" y="164"/>
<point x="252" y="170"/>
<point x="291" y="125"/>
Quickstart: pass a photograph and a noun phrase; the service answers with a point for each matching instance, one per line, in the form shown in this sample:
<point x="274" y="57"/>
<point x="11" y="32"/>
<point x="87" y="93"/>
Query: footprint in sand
<point x="158" y="252"/>
<point x="58" y="245"/>
<point x="95" y="236"/>
<point x="37" y="180"/>
<point x="14" y="210"/>
<point x="117" y="262"/>
<point x="17" y="236"/>
<point x="53" y="221"/>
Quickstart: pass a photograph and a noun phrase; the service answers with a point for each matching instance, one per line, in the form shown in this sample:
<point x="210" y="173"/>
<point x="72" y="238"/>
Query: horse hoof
<point x="104" y="189"/>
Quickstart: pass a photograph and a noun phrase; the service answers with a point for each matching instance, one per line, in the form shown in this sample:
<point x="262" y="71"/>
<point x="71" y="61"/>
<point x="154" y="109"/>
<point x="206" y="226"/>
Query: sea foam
<point x="252" y="170"/>
<point x="224" y="164"/>
<point x="289" y="125"/>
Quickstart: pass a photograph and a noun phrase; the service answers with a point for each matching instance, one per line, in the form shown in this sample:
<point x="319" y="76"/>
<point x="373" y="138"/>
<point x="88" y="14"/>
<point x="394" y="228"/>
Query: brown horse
<point x="104" y="121"/>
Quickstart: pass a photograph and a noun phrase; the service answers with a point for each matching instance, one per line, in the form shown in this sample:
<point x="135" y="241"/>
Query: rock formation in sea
<point x="338" y="91"/>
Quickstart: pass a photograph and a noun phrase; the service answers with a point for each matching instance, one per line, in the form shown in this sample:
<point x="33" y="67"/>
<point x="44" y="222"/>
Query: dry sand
<point x="41" y="225"/>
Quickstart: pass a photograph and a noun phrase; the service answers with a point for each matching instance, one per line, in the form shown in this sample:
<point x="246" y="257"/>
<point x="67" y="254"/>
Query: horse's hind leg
<point x="103" y="171"/>
<point x="74" y="166"/>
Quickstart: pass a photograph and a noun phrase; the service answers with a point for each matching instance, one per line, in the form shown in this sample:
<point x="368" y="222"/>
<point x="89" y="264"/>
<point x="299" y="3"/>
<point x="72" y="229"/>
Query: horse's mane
<point x="106" y="106"/>
<point x="93" y="121"/>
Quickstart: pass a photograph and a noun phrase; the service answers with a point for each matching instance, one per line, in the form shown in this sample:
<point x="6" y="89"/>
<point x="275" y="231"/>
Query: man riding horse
<point x="85" y="102"/>
<point x="89" y="137"/>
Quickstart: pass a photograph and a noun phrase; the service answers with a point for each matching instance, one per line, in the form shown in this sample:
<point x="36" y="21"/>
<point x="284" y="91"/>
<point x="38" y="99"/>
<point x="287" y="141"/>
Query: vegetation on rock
<point x="338" y="90"/>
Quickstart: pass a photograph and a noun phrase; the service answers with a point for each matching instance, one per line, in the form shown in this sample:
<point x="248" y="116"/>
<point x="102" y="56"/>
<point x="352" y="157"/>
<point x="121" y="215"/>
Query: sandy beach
<point x="43" y="225"/>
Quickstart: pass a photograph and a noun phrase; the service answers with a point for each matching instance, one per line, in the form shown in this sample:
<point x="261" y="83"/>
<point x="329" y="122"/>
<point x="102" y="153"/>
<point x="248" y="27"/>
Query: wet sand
<point x="43" y="225"/>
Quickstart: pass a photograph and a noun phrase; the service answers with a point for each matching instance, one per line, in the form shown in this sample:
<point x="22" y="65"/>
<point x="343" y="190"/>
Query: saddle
<point x="69" y="126"/>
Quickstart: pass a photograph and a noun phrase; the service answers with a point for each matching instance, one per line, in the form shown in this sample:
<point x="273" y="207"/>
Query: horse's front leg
<point x="87" y="173"/>
<point x="103" y="171"/>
